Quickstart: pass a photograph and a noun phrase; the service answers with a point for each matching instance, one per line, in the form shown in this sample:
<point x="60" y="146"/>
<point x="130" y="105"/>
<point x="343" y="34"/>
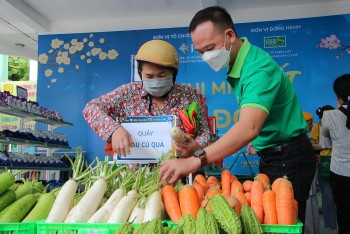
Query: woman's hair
<point x="216" y="14"/>
<point x="320" y="110"/>
<point x="341" y="87"/>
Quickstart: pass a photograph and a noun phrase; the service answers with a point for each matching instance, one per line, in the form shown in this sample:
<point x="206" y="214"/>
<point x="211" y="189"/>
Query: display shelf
<point x="35" y="168"/>
<point x="10" y="140"/>
<point x="28" y="116"/>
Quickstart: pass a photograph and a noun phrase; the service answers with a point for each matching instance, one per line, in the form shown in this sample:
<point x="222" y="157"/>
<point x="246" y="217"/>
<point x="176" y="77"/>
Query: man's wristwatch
<point x="202" y="155"/>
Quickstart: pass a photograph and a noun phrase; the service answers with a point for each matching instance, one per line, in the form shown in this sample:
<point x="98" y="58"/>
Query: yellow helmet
<point x="307" y="116"/>
<point x="158" y="52"/>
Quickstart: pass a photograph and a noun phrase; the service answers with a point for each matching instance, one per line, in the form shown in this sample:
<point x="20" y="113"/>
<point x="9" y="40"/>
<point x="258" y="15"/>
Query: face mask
<point x="157" y="87"/>
<point x="217" y="59"/>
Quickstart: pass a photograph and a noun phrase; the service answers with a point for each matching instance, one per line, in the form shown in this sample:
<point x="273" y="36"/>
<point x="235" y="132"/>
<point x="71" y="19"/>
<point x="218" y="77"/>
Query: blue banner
<point x="75" y="68"/>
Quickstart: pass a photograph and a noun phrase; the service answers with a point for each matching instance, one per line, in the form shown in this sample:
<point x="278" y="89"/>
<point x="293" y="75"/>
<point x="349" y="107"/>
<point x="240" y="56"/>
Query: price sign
<point x="150" y="136"/>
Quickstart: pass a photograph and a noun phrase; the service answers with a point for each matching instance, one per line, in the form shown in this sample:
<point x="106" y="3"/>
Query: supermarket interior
<point x="174" y="116"/>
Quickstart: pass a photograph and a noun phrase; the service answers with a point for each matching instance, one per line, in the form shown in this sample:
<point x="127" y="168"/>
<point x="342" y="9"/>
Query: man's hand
<point x="121" y="142"/>
<point x="250" y="149"/>
<point x="186" y="149"/>
<point x="173" y="169"/>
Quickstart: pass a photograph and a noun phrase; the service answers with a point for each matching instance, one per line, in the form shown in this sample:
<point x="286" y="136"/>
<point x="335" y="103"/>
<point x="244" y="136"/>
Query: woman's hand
<point x="121" y="142"/>
<point x="186" y="149"/>
<point x="173" y="169"/>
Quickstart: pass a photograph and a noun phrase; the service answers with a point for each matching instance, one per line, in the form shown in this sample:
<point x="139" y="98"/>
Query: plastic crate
<point x="18" y="228"/>
<point x="282" y="228"/>
<point x="81" y="228"/>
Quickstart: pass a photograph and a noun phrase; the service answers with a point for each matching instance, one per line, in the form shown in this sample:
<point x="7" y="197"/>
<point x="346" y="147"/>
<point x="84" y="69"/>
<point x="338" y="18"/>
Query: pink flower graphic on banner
<point x="333" y="43"/>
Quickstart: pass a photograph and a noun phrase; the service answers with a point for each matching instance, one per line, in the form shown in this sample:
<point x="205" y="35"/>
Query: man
<point x="270" y="116"/>
<point x="157" y="94"/>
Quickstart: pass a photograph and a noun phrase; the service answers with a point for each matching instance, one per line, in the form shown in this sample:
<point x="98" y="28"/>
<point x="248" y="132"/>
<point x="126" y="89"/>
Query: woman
<point x="336" y="126"/>
<point x="156" y="95"/>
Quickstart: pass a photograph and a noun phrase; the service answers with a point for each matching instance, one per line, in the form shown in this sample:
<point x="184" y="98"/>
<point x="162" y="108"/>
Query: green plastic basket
<point x="282" y="228"/>
<point x="82" y="228"/>
<point x="18" y="228"/>
<point x="324" y="167"/>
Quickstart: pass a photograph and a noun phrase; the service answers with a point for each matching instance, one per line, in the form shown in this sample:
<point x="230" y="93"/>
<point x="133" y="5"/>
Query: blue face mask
<point x="158" y="87"/>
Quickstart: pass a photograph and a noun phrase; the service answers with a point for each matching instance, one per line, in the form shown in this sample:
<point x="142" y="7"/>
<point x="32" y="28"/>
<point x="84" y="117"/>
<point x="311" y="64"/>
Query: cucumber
<point x="24" y="189"/>
<point x="6" y="181"/>
<point x="7" y="198"/>
<point x="16" y="212"/>
<point x="42" y="209"/>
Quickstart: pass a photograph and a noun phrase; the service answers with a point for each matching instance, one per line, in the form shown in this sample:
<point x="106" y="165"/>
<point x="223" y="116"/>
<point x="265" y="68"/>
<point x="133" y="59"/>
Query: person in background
<point x="309" y="120"/>
<point x="270" y="115"/>
<point x="336" y="127"/>
<point x="328" y="206"/>
<point x="157" y="94"/>
<point x="312" y="216"/>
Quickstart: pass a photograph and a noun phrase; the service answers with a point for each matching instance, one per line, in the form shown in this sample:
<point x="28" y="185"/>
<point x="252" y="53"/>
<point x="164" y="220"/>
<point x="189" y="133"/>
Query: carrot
<point x="212" y="191"/>
<point x="171" y="203"/>
<point x="284" y="202"/>
<point x="234" y="203"/>
<point x="202" y="180"/>
<point x="269" y="205"/>
<point x="233" y="177"/>
<point x="256" y="192"/>
<point x="236" y="186"/>
<point x="200" y="191"/>
<point x="247" y="184"/>
<point x="296" y="208"/>
<point x="248" y="197"/>
<point x="206" y="204"/>
<point x="263" y="178"/>
<point x="226" y="182"/>
<point x="188" y="199"/>
<point x="275" y="184"/>
<point x="213" y="181"/>
<point x="240" y="196"/>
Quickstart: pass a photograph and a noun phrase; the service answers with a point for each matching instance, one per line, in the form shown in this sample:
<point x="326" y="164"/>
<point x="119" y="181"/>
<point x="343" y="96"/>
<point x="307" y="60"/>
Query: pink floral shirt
<point x="132" y="100"/>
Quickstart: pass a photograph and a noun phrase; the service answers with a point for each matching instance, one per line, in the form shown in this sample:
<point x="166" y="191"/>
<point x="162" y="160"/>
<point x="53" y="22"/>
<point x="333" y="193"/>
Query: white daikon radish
<point x="63" y="202"/>
<point x="176" y="134"/>
<point x="103" y="214"/>
<point x="123" y="209"/>
<point x="89" y="203"/>
<point x="137" y="213"/>
<point x="153" y="207"/>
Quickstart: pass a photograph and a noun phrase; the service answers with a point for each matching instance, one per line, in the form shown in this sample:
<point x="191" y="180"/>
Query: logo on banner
<point x="275" y="41"/>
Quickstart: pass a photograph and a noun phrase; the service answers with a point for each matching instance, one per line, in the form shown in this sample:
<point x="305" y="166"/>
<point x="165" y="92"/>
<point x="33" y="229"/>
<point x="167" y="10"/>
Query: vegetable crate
<point x="72" y="228"/>
<point x="81" y="228"/>
<point x="18" y="228"/>
<point x="282" y="228"/>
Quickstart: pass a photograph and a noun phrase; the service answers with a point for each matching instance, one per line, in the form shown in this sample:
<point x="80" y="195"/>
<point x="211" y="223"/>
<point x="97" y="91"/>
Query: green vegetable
<point x="7" y="198"/>
<point x="206" y="223"/>
<point x="18" y="210"/>
<point x="225" y="215"/>
<point x="42" y="209"/>
<point x="250" y="222"/>
<point x="141" y="228"/>
<point x="188" y="224"/>
<point x="125" y="228"/>
<point x="24" y="189"/>
<point x="6" y="181"/>
<point x="155" y="226"/>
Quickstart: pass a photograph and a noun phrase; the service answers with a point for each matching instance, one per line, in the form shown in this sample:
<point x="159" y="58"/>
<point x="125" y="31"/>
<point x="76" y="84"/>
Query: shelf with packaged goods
<point x="10" y="140"/>
<point x="35" y="168"/>
<point x="28" y="116"/>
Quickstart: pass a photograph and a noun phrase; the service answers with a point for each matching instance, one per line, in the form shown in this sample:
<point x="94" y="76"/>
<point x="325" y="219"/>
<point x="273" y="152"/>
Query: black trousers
<point x="341" y="194"/>
<point x="296" y="160"/>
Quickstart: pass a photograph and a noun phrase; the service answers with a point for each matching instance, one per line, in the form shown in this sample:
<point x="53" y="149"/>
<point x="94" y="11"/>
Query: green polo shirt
<point x="259" y="82"/>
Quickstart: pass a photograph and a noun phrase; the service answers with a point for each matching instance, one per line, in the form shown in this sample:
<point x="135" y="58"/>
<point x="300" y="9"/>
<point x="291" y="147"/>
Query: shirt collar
<point x="235" y="71"/>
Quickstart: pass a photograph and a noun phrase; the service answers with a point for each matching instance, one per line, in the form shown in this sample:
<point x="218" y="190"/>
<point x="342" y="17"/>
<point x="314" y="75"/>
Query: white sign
<point x="150" y="136"/>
